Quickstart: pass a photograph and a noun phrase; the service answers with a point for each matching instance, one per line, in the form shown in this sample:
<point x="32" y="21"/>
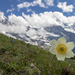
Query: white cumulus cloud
<point x="10" y="10"/>
<point x="65" y="7"/>
<point x="24" y="4"/>
<point x="39" y="2"/>
<point x="34" y="3"/>
<point x="30" y="10"/>
<point x="49" y="2"/>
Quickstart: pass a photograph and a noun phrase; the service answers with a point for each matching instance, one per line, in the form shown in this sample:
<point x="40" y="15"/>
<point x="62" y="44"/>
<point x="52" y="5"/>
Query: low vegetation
<point x="20" y="58"/>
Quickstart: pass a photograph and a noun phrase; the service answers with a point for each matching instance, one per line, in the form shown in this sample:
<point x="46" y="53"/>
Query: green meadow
<point x="16" y="58"/>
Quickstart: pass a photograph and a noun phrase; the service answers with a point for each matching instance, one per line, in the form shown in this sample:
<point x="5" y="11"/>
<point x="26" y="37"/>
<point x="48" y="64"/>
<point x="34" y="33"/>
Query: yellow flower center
<point x="61" y="48"/>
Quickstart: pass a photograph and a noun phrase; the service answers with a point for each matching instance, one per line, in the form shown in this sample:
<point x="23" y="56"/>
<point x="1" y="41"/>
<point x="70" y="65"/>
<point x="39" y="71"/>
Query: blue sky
<point x="38" y="6"/>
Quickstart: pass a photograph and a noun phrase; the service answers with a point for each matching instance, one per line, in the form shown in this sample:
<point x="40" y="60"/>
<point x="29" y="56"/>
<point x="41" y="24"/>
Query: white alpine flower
<point x="62" y="49"/>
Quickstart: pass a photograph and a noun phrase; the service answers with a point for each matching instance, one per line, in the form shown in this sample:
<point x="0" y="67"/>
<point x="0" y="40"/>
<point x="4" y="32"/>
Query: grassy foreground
<point x="20" y="58"/>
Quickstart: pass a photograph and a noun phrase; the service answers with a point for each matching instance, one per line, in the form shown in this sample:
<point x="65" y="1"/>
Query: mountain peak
<point x="4" y="20"/>
<point x="2" y="17"/>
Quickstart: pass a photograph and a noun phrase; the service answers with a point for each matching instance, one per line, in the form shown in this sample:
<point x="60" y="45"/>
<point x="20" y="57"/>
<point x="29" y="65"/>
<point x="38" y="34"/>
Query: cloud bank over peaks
<point x="65" y="7"/>
<point x="48" y="19"/>
<point x="42" y="20"/>
<point x="19" y="20"/>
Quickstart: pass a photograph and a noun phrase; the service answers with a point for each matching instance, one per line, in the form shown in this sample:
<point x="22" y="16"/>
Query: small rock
<point x="32" y="65"/>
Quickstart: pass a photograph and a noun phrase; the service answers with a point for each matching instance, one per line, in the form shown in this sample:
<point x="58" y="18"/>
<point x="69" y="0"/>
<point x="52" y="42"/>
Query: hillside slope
<point x="20" y="58"/>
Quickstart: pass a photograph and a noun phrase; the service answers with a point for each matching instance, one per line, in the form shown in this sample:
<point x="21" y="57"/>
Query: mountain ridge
<point x="37" y="36"/>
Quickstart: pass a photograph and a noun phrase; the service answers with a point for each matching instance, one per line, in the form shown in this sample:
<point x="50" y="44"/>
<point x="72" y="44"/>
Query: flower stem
<point x="53" y="58"/>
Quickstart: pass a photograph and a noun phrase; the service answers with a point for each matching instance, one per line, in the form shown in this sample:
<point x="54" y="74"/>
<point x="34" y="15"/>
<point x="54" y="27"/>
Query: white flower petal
<point x="53" y="43"/>
<point x="69" y="54"/>
<point x="70" y="46"/>
<point x="53" y="50"/>
<point x="60" y="57"/>
<point x="61" y="40"/>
